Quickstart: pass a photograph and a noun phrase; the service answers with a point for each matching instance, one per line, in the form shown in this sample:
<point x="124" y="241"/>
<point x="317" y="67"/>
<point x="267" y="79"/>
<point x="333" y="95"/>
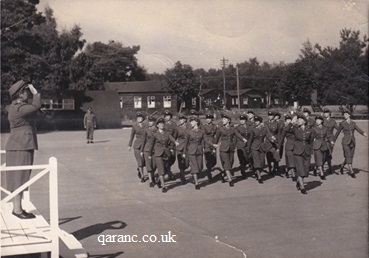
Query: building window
<point x="167" y="101"/>
<point x="262" y="100"/>
<point x="245" y="101"/>
<point x="208" y="102"/>
<point x="276" y="101"/>
<point x="193" y="101"/>
<point x="59" y="104"/>
<point x="137" y="102"/>
<point x="234" y="101"/>
<point x="121" y="102"/>
<point x="151" y="101"/>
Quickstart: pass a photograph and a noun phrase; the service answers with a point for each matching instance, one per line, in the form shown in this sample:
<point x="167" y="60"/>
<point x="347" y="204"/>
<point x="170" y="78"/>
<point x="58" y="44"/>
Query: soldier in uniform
<point x="225" y="135"/>
<point x="330" y="124"/>
<point x="89" y="122"/>
<point x="171" y="127"/>
<point x="194" y="149"/>
<point x="280" y="123"/>
<point x="243" y="134"/>
<point x="180" y="136"/>
<point x="310" y="121"/>
<point x="145" y="148"/>
<point x="348" y="141"/>
<point x="210" y="130"/>
<point x="138" y="130"/>
<point x="271" y="144"/>
<point x="250" y="118"/>
<point x="288" y="135"/>
<point x="161" y="149"/>
<point x="303" y="136"/>
<point x="22" y="141"/>
<point x="320" y="145"/>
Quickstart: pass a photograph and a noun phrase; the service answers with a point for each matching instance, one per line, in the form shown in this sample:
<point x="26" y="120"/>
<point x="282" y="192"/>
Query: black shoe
<point x="183" y="180"/>
<point x="322" y="177"/>
<point x="88" y="142"/>
<point x="294" y="179"/>
<point x="91" y="141"/>
<point x="352" y="175"/>
<point x="197" y="187"/>
<point x="151" y="184"/>
<point x="24" y="215"/>
<point x="341" y="169"/>
<point x="222" y="178"/>
<point x="143" y="180"/>
<point x="298" y="186"/>
<point x="260" y="181"/>
<point x="303" y="191"/>
<point x="231" y="184"/>
<point x="287" y="175"/>
<point x="159" y="184"/>
<point x="165" y="189"/>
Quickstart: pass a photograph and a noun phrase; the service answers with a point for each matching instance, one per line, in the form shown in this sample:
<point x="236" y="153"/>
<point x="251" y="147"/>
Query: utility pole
<point x="238" y="90"/>
<point x="200" y="94"/>
<point x="224" y="63"/>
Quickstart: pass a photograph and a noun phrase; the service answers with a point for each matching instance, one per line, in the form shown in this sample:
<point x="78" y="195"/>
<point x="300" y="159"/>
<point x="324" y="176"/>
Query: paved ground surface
<point x="100" y="194"/>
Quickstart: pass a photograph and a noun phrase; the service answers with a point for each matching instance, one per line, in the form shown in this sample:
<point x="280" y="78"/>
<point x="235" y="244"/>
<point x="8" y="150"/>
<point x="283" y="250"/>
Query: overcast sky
<point x="201" y="32"/>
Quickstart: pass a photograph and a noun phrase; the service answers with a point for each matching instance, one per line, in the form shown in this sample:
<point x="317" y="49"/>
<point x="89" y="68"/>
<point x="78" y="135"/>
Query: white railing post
<point x="54" y="207"/>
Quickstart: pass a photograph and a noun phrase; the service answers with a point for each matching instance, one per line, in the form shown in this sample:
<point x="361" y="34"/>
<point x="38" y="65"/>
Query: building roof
<point x="253" y="93"/>
<point x="137" y="86"/>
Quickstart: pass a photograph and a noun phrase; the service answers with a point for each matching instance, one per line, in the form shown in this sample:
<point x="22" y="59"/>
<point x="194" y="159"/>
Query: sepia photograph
<point x="187" y="129"/>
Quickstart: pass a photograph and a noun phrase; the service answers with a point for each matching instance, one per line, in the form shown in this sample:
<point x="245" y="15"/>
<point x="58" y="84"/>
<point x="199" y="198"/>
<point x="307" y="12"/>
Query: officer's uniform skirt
<point x="196" y="163"/>
<point x="319" y="157"/>
<point x="258" y="157"/>
<point x="302" y="163"/>
<point x="183" y="162"/>
<point x="140" y="160"/>
<point x="149" y="163"/>
<point x="15" y="179"/>
<point x="348" y="152"/>
<point x="161" y="164"/>
<point x="290" y="163"/>
<point x="243" y="156"/>
<point x="227" y="159"/>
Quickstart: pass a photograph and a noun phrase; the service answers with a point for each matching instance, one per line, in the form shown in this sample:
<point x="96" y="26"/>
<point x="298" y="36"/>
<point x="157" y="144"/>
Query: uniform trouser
<point x="302" y="163"/>
<point x="90" y="132"/>
<point x="14" y="179"/>
<point x="140" y="160"/>
<point x="348" y="152"/>
<point x="258" y="157"/>
<point x="320" y="157"/>
<point x="243" y="156"/>
<point x="161" y="164"/>
<point x="196" y="163"/>
<point x="150" y="165"/>
<point x="227" y="159"/>
<point x="210" y="159"/>
<point x="183" y="162"/>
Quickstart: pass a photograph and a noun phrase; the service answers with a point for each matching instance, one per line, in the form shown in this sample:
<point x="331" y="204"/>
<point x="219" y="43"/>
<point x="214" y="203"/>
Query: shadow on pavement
<point x="312" y="184"/>
<point x="98" y="229"/>
<point x="67" y="220"/>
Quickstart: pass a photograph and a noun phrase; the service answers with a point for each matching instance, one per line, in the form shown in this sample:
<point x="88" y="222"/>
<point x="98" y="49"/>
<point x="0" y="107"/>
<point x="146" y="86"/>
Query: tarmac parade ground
<point x="100" y="196"/>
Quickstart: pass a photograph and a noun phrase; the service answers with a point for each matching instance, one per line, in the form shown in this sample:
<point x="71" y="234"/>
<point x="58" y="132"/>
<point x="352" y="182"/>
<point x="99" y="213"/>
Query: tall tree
<point x="183" y="82"/>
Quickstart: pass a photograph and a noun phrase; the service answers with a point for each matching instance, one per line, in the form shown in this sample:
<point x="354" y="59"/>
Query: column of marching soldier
<point x="158" y="144"/>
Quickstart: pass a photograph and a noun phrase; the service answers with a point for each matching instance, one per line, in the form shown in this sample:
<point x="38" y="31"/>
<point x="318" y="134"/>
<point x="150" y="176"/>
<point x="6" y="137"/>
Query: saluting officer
<point x="170" y="127"/>
<point x="161" y="148"/>
<point x="210" y="130"/>
<point x="290" y="138"/>
<point x="244" y="136"/>
<point x="145" y="148"/>
<point x="271" y="144"/>
<point x="322" y="138"/>
<point x="348" y="141"/>
<point x="138" y="130"/>
<point x="225" y="135"/>
<point x="330" y="124"/>
<point x="194" y="148"/>
<point x="180" y="136"/>
<point x="309" y="120"/>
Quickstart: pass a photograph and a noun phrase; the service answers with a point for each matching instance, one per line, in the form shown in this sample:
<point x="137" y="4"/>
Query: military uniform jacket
<point x="273" y="131"/>
<point x="138" y="130"/>
<point x="180" y="135"/>
<point x="290" y="138"/>
<point x="348" y="132"/>
<point x="321" y="138"/>
<point x="171" y="127"/>
<point x="280" y="125"/>
<point x="331" y="124"/>
<point x="22" y="131"/>
<point x="259" y="134"/>
<point x="161" y="143"/>
<point x="209" y="131"/>
<point x="89" y="119"/>
<point x="310" y="122"/>
<point x="227" y="138"/>
<point x="243" y="132"/>
<point x="195" y="142"/>
<point x="250" y="123"/>
<point x="303" y="139"/>
<point x="148" y="134"/>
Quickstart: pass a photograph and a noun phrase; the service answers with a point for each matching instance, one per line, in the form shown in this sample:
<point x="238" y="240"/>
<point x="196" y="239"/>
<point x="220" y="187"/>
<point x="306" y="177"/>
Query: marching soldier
<point x="225" y="134"/>
<point x="320" y="145"/>
<point x="330" y="124"/>
<point x="250" y="118"/>
<point x="170" y="127"/>
<point x="243" y="134"/>
<point x="271" y="144"/>
<point x="348" y="141"/>
<point x="180" y="136"/>
<point x="288" y="135"/>
<point x="138" y="130"/>
<point x="280" y="123"/>
<point x="309" y="120"/>
<point x="161" y="149"/>
<point x="210" y="130"/>
<point x="145" y="148"/>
